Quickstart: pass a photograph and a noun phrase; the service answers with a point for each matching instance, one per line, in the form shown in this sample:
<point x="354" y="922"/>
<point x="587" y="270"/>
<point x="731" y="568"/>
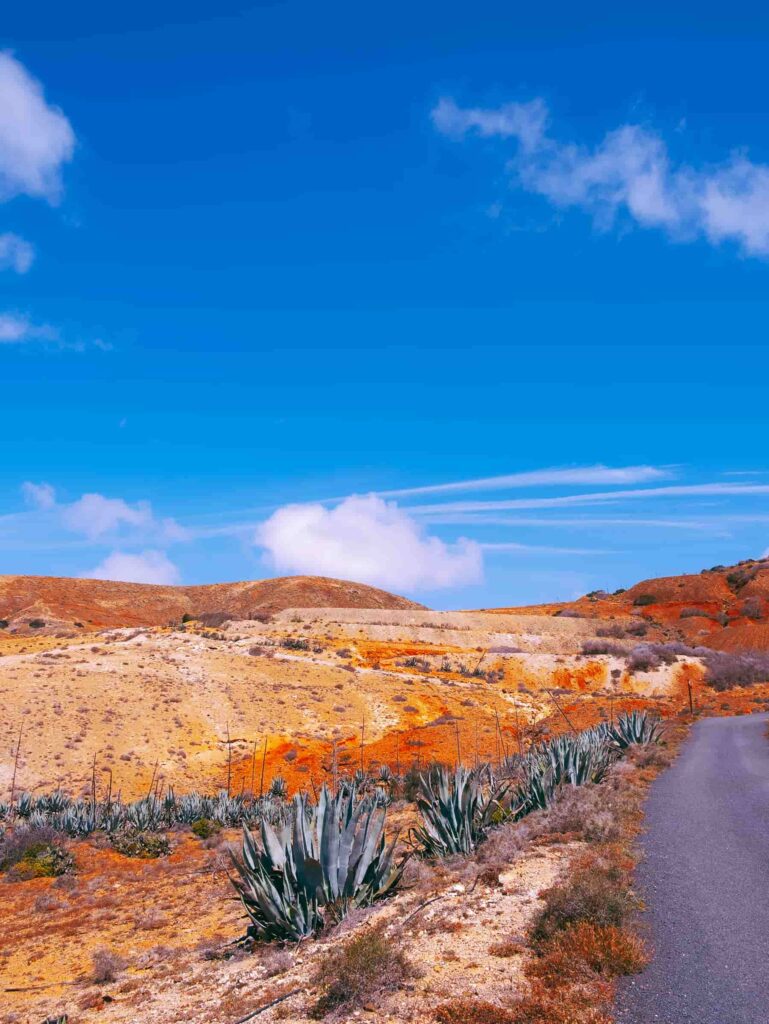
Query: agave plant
<point x="635" y="728"/>
<point x="457" y="812"/>
<point x="145" y="815"/>
<point x="278" y="787"/>
<point x="25" y="805"/>
<point x="534" y="793"/>
<point x="332" y="857"/>
<point x="578" y="759"/>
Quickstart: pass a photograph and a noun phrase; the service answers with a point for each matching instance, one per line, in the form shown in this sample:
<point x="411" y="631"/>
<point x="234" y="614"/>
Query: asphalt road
<point x="705" y="882"/>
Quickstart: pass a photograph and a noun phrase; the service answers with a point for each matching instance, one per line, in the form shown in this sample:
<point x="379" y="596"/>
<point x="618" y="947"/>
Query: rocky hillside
<point x="55" y="603"/>
<point x="725" y="607"/>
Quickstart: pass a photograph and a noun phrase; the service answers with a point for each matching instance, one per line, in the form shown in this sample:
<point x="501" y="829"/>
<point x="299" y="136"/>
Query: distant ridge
<point x="725" y="607"/>
<point x="63" y="602"/>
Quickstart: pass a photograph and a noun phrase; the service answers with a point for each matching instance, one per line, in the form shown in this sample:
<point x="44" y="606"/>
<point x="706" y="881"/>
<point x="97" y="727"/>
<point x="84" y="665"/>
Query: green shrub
<point x="4" y="623"/>
<point x="204" y="828"/>
<point x="36" y="623"/>
<point x="144" y="845"/>
<point x="644" y="599"/>
<point x="34" y="852"/>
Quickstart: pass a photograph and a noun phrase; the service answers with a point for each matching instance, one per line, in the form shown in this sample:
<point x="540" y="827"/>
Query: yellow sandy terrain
<point x="378" y="686"/>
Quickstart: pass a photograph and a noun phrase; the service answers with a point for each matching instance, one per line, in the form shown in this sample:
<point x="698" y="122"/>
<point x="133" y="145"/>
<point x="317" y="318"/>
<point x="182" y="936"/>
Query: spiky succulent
<point x="457" y="812"/>
<point x="332" y="857"/>
<point x="635" y="728"/>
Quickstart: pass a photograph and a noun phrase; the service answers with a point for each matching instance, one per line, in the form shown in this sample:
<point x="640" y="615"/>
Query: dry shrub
<point x="612" y="630"/>
<point x="582" y="812"/>
<point x="597" y="892"/>
<point x="583" y="950"/>
<point x="370" y="964"/>
<point x="473" y="1011"/>
<point x="507" y="947"/>
<point x="560" y="1005"/>
<point x="725" y="671"/>
<point x="594" y="645"/>
<point x="276" y="962"/>
<point x="540" y="1006"/>
<point x="105" y="965"/>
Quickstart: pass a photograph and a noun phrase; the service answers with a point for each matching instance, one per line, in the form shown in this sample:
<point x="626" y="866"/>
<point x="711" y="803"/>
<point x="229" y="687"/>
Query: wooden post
<point x="253" y="770"/>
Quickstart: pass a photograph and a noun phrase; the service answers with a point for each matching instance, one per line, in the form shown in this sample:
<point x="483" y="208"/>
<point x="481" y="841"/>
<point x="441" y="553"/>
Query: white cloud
<point x="36" y="139"/>
<point x="630" y="170"/>
<point x="16" y="328"/>
<point x="94" y="515"/>
<point x="367" y="540"/>
<point x="512" y="548"/>
<point x="542" y="478"/>
<point x="148" y="566"/>
<point x="595" y="498"/>
<point x="41" y="495"/>
<point x="16" y="253"/>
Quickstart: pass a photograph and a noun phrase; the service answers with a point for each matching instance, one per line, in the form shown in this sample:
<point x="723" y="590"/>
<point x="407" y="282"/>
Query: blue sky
<point x="258" y="256"/>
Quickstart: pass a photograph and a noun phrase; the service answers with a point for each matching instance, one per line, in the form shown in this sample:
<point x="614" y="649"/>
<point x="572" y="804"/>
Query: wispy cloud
<point x="594" y="498"/>
<point x="512" y="548"/>
<point x="630" y="171"/>
<point x="15" y="329"/>
<point x="449" y="518"/>
<point x="555" y="477"/>
<point x="16" y="253"/>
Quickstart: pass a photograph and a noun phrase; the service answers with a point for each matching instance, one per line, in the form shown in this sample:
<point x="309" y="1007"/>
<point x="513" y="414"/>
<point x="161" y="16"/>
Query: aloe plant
<point x="635" y="728"/>
<point x="457" y="812"/>
<point x="332" y="857"/>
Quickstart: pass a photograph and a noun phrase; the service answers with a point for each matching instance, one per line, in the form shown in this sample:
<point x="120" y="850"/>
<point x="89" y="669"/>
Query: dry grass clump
<point x="597" y="892"/>
<point x="368" y="965"/>
<point x="473" y="1011"/>
<point x="106" y="966"/>
<point x="540" y="1006"/>
<point x="584" y="950"/>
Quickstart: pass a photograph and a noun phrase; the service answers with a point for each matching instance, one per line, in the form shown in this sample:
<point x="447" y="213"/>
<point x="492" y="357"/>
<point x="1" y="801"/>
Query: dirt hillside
<point x="725" y="607"/>
<point x="61" y="603"/>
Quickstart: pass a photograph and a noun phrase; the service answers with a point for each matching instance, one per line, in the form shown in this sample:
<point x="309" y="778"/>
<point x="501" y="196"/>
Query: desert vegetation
<point x="427" y="813"/>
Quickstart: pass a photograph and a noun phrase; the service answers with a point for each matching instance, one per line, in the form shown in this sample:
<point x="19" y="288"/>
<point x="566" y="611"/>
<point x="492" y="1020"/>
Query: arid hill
<point x="725" y="607"/>
<point x="51" y="602"/>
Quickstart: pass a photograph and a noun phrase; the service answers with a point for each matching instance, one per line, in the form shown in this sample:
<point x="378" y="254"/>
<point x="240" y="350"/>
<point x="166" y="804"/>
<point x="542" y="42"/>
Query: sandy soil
<point x="383" y="686"/>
